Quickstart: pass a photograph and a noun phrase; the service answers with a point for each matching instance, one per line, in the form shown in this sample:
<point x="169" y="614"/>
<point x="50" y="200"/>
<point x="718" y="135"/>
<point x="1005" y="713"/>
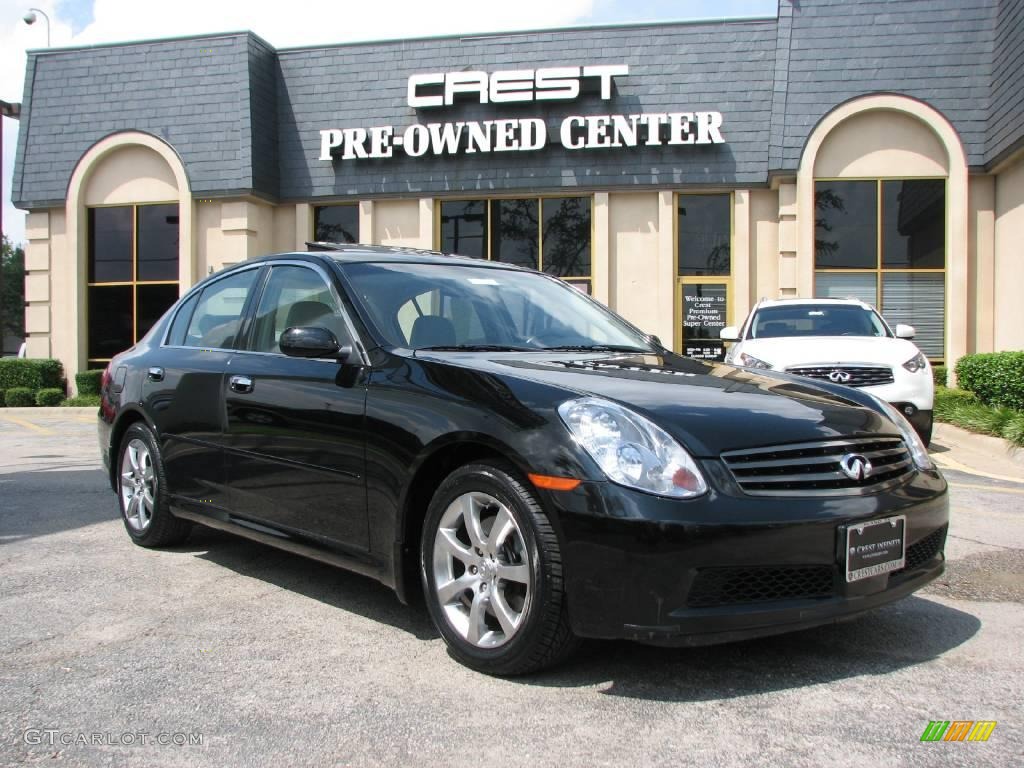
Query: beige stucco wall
<point x="398" y="222"/>
<point x="132" y="174"/>
<point x="764" y="245"/>
<point x="1009" y="258"/>
<point x="881" y="143"/>
<point x="636" y="229"/>
<point x="981" y="195"/>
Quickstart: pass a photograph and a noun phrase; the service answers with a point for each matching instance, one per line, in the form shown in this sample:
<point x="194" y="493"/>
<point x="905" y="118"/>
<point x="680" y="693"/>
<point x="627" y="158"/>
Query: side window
<point x="176" y="337"/>
<point x="295" y="296"/>
<point x="218" y="315"/>
<point x="451" y="320"/>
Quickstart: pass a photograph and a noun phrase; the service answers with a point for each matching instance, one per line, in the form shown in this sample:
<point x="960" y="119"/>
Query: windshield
<point x="461" y="306"/>
<point x="816" y="320"/>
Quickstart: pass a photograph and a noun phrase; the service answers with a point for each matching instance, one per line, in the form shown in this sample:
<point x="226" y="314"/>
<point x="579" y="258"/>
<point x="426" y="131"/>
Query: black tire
<point x="544" y="637"/>
<point x="162" y="529"/>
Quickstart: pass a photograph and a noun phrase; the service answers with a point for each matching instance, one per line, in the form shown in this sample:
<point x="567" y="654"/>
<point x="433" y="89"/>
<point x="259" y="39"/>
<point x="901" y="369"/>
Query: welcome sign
<point x="529" y="134"/>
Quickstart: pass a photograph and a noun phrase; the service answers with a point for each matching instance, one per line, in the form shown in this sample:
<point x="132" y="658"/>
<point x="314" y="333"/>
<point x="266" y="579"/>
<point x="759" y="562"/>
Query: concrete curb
<point x="980" y="452"/>
<point x="48" y="411"/>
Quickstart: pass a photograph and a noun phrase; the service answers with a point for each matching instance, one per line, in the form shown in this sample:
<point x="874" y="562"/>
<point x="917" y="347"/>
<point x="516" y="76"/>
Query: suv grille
<point x="854" y="375"/>
<point x="732" y="586"/>
<point x="803" y="469"/>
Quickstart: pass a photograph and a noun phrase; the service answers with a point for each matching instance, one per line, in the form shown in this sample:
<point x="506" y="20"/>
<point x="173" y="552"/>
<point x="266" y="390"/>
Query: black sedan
<point x="540" y="468"/>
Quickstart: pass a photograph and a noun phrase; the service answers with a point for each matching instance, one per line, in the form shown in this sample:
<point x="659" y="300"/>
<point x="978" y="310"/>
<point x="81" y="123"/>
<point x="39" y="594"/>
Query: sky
<point x="300" y="22"/>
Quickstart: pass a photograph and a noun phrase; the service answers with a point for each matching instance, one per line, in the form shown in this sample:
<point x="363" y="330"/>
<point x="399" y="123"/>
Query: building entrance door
<point x="702" y="312"/>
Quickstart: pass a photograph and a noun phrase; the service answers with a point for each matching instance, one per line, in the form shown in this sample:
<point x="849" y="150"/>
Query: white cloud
<point x="300" y="22"/>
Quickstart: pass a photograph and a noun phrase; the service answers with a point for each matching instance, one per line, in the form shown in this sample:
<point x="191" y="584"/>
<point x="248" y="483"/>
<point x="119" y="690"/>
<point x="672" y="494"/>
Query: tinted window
<point x="514" y="238"/>
<point x="845" y="232"/>
<point x="705" y="234"/>
<point x="295" y="297"/>
<point x="110" y="320"/>
<point x="158" y="242"/>
<point x="336" y="224"/>
<point x="110" y="245"/>
<point x="217" y="317"/>
<point x="914" y="224"/>
<point x="151" y="301"/>
<point x="567" y="236"/>
<point x="176" y="337"/>
<point x="464" y="227"/>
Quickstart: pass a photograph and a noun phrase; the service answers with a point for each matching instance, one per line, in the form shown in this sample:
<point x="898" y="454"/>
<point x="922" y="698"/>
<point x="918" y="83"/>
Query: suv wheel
<point x="492" y="573"/>
<point x="142" y="491"/>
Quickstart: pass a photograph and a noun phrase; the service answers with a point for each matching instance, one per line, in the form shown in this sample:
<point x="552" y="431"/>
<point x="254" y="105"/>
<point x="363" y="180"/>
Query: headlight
<point x="631" y="450"/>
<point x="917" y="450"/>
<point x="752" y="362"/>
<point x="917" y="363"/>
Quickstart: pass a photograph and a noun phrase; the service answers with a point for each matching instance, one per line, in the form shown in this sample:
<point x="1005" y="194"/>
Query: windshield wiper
<point x="476" y="348"/>
<point x="597" y="348"/>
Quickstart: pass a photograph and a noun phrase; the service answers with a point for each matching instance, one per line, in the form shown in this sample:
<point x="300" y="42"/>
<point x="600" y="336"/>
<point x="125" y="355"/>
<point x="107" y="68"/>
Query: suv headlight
<point x="917" y="363"/>
<point x="914" y="443"/>
<point x="631" y="450"/>
<point x="752" y="362"/>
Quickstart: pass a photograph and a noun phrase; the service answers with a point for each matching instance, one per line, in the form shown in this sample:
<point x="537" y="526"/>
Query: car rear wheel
<point x="492" y="573"/>
<point x="142" y="491"/>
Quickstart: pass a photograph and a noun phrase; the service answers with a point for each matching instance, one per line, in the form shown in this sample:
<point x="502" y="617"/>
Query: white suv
<point x="844" y="341"/>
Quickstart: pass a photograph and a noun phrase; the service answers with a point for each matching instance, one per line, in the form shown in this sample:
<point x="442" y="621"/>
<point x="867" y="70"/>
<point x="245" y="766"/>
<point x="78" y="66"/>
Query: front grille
<point x="760" y="584"/>
<point x="855" y="375"/>
<point x="802" y="469"/>
<point x="922" y="551"/>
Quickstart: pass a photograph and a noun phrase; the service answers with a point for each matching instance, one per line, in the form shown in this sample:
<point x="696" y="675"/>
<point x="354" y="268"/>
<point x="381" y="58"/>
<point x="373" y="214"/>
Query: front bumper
<point x="728" y="566"/>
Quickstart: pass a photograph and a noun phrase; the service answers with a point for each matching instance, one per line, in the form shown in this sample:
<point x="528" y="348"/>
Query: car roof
<point x="811" y="302"/>
<point x="356" y="253"/>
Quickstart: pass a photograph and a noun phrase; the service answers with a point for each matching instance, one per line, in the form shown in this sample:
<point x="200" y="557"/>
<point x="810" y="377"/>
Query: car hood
<point x="708" y="407"/>
<point x="830" y="350"/>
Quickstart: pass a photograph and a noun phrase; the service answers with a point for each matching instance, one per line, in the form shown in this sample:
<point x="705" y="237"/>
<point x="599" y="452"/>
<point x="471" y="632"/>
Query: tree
<point x="12" y="291"/>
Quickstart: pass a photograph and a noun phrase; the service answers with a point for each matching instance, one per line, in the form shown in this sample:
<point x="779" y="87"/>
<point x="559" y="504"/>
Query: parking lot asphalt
<point x="108" y="649"/>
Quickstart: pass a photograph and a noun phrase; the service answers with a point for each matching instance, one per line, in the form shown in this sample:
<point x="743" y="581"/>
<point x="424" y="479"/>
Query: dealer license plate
<point x="875" y="547"/>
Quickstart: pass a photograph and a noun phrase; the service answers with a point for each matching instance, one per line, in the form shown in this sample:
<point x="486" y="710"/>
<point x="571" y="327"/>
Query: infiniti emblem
<point x="839" y="377"/>
<point x="855" y="466"/>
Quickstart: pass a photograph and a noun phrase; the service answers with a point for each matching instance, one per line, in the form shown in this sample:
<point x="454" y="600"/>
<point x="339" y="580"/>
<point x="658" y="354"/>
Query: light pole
<point x="30" y="18"/>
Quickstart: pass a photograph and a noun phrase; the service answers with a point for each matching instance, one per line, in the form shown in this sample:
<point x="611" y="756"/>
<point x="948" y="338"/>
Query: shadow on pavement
<point x="38" y="503"/>
<point x="332" y="586"/>
<point x="902" y="635"/>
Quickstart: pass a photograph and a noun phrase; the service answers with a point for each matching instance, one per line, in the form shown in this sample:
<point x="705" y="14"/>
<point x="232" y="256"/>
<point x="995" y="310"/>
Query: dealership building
<point x="676" y="172"/>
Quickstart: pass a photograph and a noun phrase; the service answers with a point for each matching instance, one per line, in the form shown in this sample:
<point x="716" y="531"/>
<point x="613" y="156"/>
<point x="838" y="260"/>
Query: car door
<point x="296" y="453"/>
<point x="183" y="388"/>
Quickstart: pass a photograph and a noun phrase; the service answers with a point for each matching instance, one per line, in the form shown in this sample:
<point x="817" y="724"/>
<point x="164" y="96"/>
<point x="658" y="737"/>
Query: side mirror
<point x="729" y="333"/>
<point x="312" y="343"/>
<point x="655" y="341"/>
<point x="905" y="331"/>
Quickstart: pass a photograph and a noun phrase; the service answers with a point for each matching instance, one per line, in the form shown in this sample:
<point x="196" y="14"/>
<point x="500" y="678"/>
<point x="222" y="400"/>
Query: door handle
<point x="240" y="384"/>
<point x="155" y="374"/>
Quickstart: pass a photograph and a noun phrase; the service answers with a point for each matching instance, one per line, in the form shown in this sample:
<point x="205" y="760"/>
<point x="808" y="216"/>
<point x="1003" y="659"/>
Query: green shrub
<point x="31" y="374"/>
<point x="19" y="397"/>
<point x="82" y="401"/>
<point x="997" y="378"/>
<point x="88" y="382"/>
<point x="50" y="396"/>
<point x="948" y="400"/>
<point x="939" y="373"/>
<point x="2" y="398"/>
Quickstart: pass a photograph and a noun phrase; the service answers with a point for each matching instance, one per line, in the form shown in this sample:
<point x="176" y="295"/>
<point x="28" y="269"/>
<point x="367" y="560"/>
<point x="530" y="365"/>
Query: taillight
<point x="107" y="378"/>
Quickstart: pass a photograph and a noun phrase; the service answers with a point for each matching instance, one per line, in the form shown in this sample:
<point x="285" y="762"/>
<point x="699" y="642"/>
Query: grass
<point x="82" y="401"/>
<point x="963" y="409"/>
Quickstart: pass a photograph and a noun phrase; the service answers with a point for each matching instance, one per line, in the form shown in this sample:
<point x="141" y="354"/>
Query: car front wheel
<point x="492" y="573"/>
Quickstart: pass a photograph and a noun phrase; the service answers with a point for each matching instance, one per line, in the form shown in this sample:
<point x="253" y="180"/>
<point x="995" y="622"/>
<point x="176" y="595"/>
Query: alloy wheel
<point x="138" y="485"/>
<point x="481" y="570"/>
